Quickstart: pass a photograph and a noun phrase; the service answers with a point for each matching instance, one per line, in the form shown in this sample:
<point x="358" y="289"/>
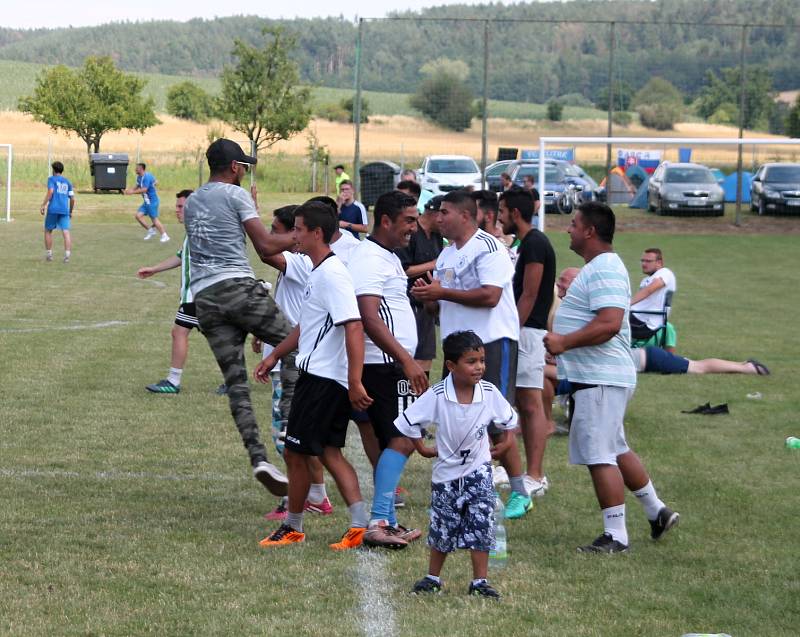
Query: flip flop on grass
<point x="762" y="369"/>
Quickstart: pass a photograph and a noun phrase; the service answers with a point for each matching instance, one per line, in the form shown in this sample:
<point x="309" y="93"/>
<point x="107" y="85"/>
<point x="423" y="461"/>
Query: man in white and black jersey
<point x="185" y="318"/>
<point x="473" y="289"/>
<point x="392" y="377"/>
<point x="330" y="340"/>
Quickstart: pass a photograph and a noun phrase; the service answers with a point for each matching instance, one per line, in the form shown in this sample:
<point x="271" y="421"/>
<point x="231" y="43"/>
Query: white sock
<point x="649" y="499"/>
<point x="358" y="514"/>
<point x="435" y="578"/>
<point x="174" y="376"/>
<point x="614" y="523"/>
<point x="316" y="494"/>
<point x="67" y="253"/>
<point x="49" y="253"/>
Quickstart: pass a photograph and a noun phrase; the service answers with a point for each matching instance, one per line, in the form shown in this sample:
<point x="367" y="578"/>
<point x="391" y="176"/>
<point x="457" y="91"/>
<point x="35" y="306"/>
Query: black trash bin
<point x="377" y="178"/>
<point x="109" y="171"/>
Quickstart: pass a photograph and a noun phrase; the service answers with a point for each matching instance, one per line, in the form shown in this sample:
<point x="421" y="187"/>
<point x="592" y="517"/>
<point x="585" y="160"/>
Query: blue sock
<point x="387" y="477"/>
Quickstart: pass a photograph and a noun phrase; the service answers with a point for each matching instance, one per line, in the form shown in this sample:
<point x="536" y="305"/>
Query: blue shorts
<point x="149" y="209"/>
<point x="462" y="513"/>
<point x="663" y="362"/>
<point x="564" y="387"/>
<point x="53" y="221"/>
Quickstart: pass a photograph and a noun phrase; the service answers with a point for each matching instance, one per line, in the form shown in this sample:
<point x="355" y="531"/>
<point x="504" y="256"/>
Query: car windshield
<point x="551" y="173"/>
<point x="452" y="166"/>
<point x="689" y="176"/>
<point x="785" y="174"/>
<point x="495" y="170"/>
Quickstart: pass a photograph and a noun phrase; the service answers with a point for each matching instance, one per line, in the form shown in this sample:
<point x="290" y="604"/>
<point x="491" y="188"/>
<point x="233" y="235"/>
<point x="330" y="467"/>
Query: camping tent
<point x="636" y="175"/>
<point x="618" y="187"/>
<point x="640" y="199"/>
<point x="729" y="186"/>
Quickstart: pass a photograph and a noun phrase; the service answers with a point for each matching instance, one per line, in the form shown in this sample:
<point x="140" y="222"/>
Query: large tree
<point x="90" y="101"/>
<point x="260" y="95"/>
<point x="444" y="95"/>
<point x="721" y="95"/>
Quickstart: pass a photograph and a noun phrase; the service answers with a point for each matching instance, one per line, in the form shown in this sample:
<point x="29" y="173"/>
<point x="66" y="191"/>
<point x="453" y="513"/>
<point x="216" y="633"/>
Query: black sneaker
<point x="604" y="544"/>
<point x="163" y="387"/>
<point x="665" y="520"/>
<point x="483" y="589"/>
<point x="427" y="585"/>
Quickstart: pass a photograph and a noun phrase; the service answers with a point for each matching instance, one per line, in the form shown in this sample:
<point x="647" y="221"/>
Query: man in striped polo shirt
<point x="591" y="337"/>
<point x="186" y="318"/>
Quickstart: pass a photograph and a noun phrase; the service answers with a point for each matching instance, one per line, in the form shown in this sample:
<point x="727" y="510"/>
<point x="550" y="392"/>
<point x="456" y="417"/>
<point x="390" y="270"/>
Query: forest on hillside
<point x="529" y="61"/>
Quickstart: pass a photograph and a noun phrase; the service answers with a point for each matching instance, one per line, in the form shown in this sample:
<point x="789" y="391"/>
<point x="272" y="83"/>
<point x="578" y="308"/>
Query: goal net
<point x="711" y="151"/>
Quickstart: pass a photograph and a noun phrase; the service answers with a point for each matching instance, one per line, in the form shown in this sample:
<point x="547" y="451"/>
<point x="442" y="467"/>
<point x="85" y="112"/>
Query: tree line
<point x="529" y="62"/>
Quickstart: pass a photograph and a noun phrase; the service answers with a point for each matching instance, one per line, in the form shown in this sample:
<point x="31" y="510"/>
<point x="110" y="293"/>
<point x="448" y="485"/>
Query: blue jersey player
<point x="146" y="186"/>
<point x="58" y="205"/>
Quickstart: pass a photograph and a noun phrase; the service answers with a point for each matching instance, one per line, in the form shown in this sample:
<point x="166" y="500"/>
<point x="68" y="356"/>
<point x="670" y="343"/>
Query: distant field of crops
<point x="19" y="78"/>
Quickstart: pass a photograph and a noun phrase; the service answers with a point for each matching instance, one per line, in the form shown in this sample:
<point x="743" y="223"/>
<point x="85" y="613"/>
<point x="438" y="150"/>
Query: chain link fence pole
<point x="610" y="103"/>
<point x="357" y="113"/>
<point x="485" y="118"/>
<point x="741" y="130"/>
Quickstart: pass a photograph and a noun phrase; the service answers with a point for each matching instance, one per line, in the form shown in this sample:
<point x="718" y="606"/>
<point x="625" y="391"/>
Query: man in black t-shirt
<point x="528" y="184"/>
<point x="418" y="261"/>
<point x="534" y="278"/>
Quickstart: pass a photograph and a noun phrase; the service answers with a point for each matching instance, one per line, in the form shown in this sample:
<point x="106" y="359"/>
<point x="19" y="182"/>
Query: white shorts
<point x="597" y="435"/>
<point x="530" y="362"/>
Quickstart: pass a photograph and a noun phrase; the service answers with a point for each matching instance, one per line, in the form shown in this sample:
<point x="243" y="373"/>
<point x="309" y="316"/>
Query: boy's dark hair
<point x="412" y="186"/>
<point x="459" y="343"/>
<point x="57" y="167"/>
<point x="285" y="214"/>
<point x="328" y="201"/>
<point x="522" y="200"/>
<point x="462" y="199"/>
<point x="315" y="215"/>
<point x="505" y="176"/>
<point x="346" y="182"/>
<point x="338" y="166"/>
<point x="600" y="217"/>
<point x="486" y="200"/>
<point x="144" y="166"/>
<point x="391" y="204"/>
<point x="184" y="193"/>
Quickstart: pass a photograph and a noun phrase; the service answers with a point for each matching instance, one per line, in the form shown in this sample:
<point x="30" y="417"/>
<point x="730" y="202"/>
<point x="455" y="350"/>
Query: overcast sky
<point x="63" y="13"/>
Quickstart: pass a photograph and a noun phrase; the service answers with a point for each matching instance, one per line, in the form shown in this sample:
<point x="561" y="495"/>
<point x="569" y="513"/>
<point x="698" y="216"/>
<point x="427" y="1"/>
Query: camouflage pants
<point x="228" y="311"/>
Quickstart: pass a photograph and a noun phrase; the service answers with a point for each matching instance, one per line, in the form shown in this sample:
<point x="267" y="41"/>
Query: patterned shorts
<point x="462" y="513"/>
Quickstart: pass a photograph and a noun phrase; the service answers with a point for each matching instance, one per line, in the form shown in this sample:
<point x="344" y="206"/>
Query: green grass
<point x="125" y="513"/>
<point x="19" y="79"/>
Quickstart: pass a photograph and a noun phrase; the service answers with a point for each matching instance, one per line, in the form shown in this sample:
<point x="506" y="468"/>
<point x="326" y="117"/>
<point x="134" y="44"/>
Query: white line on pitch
<point x="20" y="474"/>
<point x="87" y="326"/>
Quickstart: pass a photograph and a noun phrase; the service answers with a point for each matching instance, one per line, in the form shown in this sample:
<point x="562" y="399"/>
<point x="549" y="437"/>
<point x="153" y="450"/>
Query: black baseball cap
<point x="223" y="151"/>
<point x="434" y="203"/>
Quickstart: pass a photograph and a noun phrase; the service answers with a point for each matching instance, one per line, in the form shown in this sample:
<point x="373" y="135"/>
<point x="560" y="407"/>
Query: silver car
<point x="685" y="189"/>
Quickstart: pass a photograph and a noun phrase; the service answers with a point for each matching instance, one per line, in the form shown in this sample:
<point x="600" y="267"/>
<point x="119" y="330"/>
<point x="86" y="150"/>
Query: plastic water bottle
<point x="792" y="442"/>
<point x="498" y="556"/>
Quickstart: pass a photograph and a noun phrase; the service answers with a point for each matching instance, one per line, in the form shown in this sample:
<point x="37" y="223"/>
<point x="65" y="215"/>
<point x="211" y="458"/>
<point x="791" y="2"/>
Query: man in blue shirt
<point x="59" y="203"/>
<point x="146" y="186"/>
<point x="352" y="213"/>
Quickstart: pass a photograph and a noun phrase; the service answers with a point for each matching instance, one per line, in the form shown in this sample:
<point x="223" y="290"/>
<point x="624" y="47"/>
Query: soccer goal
<point x="6" y="157"/>
<point x="655" y="142"/>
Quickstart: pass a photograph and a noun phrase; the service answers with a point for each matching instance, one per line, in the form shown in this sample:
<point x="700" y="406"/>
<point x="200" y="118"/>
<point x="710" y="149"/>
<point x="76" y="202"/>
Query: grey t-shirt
<point x="214" y="217"/>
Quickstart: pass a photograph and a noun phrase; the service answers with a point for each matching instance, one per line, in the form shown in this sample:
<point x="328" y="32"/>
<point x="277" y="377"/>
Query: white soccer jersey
<point x="291" y="284"/>
<point x="483" y="260"/>
<point x="461" y="438"/>
<point x="344" y="246"/>
<point x="329" y="303"/>
<point x="377" y="271"/>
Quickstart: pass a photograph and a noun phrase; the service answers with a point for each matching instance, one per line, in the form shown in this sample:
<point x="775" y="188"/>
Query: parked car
<point x="443" y="173"/>
<point x="493" y="172"/>
<point x="776" y="188"/>
<point x="558" y="175"/>
<point x="676" y="188"/>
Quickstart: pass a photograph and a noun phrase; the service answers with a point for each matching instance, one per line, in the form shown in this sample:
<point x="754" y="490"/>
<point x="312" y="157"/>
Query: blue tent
<point x="729" y="186"/>
<point x="636" y="174"/>
<point x="640" y="198"/>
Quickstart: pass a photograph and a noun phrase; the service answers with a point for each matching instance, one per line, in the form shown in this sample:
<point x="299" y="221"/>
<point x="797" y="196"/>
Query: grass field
<point x="125" y="513"/>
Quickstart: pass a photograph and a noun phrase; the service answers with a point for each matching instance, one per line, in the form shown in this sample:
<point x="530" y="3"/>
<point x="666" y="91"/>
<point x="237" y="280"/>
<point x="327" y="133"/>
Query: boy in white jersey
<point x="185" y="318"/>
<point x="330" y="340"/>
<point x="591" y="338"/>
<point x="462" y="407"/>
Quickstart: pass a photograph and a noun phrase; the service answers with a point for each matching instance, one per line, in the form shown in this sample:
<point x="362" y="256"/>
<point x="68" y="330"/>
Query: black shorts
<point x="186" y="316"/>
<point x="501" y="366"/>
<point x="391" y="395"/>
<point x="426" y="334"/>
<point x="318" y="417"/>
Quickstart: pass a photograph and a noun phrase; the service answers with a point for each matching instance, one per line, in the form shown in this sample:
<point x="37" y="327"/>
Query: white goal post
<point x="10" y="150"/>
<point x="668" y="141"/>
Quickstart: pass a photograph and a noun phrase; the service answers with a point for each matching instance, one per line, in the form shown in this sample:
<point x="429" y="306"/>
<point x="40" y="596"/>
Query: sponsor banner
<point x="564" y="154"/>
<point x="645" y="159"/>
